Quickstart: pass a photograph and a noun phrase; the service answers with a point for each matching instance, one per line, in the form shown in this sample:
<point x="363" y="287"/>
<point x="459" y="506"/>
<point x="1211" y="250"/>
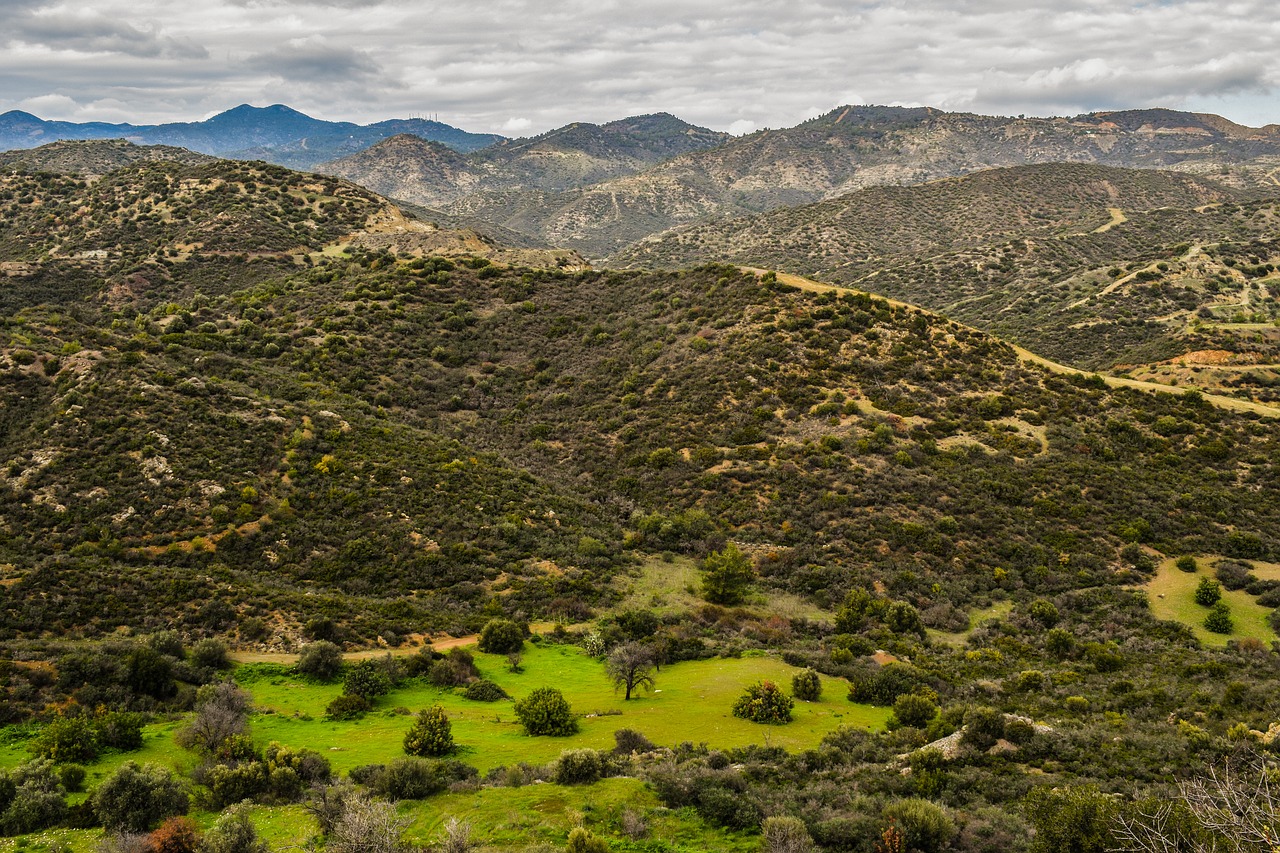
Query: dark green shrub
<point x="321" y="660"/>
<point x="545" y="711"/>
<point x="233" y="832"/>
<point x="32" y="797"/>
<point x="577" y="767"/>
<point x="1208" y="591"/>
<point x="726" y="575"/>
<point x="134" y="799"/>
<point x="1233" y="574"/>
<point x="72" y="777"/>
<point x="431" y="733"/>
<point x="347" y="707"/>
<point x="366" y="679"/>
<point x="982" y="728"/>
<point x="501" y="637"/>
<point x="627" y="741"/>
<point x="806" y="685"/>
<point x="484" y="691"/>
<point x="584" y="841"/>
<point x="764" y="702"/>
<point x="912" y="710"/>
<point x="66" y="739"/>
<point x="210" y="653"/>
<point x="1186" y="563"/>
<point x="1219" y="620"/>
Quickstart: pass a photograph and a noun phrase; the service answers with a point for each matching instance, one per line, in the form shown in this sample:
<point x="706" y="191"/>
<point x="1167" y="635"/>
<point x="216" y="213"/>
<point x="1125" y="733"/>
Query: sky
<point x="519" y="67"/>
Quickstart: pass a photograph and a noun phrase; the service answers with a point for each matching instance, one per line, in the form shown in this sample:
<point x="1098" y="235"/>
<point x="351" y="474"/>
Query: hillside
<point x="406" y="167"/>
<point x="95" y="159"/>
<point x="276" y="416"/>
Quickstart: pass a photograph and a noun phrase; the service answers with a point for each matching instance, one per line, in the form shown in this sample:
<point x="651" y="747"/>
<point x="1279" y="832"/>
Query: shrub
<point x="410" y="779"/>
<point x="583" y="841"/>
<point x="1186" y="563"/>
<point x="366" y="679"/>
<point x="32" y="797"/>
<point x="785" y="834"/>
<point x="1043" y="612"/>
<point x="501" y="637"/>
<point x="806" y="685"/>
<point x="454" y="670"/>
<point x="912" y="710"/>
<point x="347" y="707"/>
<point x="925" y="827"/>
<point x="210" y="653"/>
<point x="763" y="702"/>
<point x="1233" y="574"/>
<point x="577" y="767"/>
<point x="321" y="660"/>
<point x="545" y="711"/>
<point x="982" y="728"/>
<point x="627" y="741"/>
<point x="484" y="691"/>
<point x="66" y="739"/>
<point x="133" y="798"/>
<point x="233" y="832"/>
<point x="72" y="777"/>
<point x="175" y="835"/>
<point x="222" y="712"/>
<point x="1208" y="592"/>
<point x="1219" y="620"/>
<point x="431" y="733"/>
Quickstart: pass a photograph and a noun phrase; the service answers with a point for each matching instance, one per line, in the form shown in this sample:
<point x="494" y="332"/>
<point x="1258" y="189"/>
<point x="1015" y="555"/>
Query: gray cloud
<point x="530" y="65"/>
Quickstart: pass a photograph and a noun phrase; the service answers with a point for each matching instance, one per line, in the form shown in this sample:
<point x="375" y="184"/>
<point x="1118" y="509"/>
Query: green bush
<point x="764" y="702"/>
<point x="578" y="767"/>
<point x="501" y="637"/>
<point x="1208" y="592"/>
<point x="982" y="728"/>
<point x="347" y="707"/>
<point x="66" y="739"/>
<point x="1219" y="620"/>
<point x="545" y="711"/>
<point x="1187" y="563"/>
<point x="321" y="660"/>
<point x="431" y="733"/>
<point x="134" y="799"/>
<point x="925" y="827"/>
<point x="233" y="832"/>
<point x="366" y="679"/>
<point x="912" y="710"/>
<point x="584" y="841"/>
<point x="806" y="685"/>
<point x="484" y="691"/>
<point x="726" y="575"/>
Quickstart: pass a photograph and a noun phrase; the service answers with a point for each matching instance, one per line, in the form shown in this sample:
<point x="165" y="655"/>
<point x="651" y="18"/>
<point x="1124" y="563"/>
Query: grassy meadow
<point x="1172" y="596"/>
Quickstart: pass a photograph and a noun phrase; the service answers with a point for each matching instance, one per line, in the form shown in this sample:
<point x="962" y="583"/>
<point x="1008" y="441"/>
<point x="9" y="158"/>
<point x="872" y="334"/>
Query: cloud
<point x="548" y="62"/>
<point x="742" y="127"/>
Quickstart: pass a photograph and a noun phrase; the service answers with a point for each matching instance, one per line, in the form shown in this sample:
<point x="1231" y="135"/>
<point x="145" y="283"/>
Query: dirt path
<point x="1117" y="218"/>
<point x="1228" y="403"/>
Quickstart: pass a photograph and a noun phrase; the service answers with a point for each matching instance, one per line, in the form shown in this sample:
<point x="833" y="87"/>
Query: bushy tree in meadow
<point x="430" y="734"/>
<point x="726" y="575"/>
<point x="545" y="711"/>
<point x="134" y="799"/>
<point x="764" y="702"/>
<point x="1208" y="591"/>
<point x="501" y="637"/>
<point x="631" y="666"/>
<point x="321" y="660"/>
<point x="806" y="685"/>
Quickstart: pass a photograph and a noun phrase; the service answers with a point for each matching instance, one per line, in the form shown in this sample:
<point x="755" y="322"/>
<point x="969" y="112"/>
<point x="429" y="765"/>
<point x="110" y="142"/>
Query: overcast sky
<point x="523" y="66"/>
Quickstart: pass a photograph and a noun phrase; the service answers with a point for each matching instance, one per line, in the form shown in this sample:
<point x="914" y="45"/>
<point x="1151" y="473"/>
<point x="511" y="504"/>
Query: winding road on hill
<point x="1232" y="404"/>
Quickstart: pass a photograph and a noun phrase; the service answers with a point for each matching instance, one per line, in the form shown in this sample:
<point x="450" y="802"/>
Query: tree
<point x="545" y="711"/>
<point x="233" y="832"/>
<point x="806" y="685"/>
<point x="222" y="712"/>
<point x="501" y="637"/>
<point x="726" y="575"/>
<point x="631" y="666"/>
<point x="175" y="835"/>
<point x="133" y="799"/>
<point x="366" y="680"/>
<point x="321" y="660"/>
<point x="764" y="702"/>
<point x="914" y="710"/>
<point x="925" y="826"/>
<point x="1208" y="592"/>
<point x="431" y="733"/>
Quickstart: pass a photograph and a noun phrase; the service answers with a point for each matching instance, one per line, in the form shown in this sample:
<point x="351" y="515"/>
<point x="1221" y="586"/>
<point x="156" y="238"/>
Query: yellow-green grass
<point x="692" y="702"/>
<point x="999" y="610"/>
<point x="671" y="586"/>
<point x="1171" y="594"/>
<point x="507" y="818"/>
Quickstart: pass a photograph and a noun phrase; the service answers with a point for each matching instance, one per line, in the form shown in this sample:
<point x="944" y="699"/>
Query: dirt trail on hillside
<point x="1228" y="403"/>
<point x="442" y="644"/>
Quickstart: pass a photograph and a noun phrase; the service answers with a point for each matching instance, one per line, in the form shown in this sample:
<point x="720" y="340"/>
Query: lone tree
<point x="501" y="637"/>
<point x="545" y="711"/>
<point x="631" y="666"/>
<point x="1208" y="592"/>
<point x="726" y="575"/>
<point x="764" y="702"/>
<point x="431" y="733"/>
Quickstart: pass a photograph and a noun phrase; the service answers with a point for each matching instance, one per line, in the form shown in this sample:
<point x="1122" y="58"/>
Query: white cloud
<point x="742" y="127"/>
<point x="486" y="66"/>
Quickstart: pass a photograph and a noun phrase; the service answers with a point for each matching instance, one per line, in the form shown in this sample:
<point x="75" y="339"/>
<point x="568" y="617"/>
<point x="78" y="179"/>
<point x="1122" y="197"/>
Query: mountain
<point x="847" y="149"/>
<point x="277" y="134"/>
<point x="411" y="168"/>
<point x="97" y="158"/>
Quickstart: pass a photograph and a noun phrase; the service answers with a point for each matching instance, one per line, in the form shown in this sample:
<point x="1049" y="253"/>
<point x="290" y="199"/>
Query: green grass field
<point x="691" y="702"/>
<point x="998" y="610"/>
<point x="1172" y="596"/>
<point x="663" y="586"/>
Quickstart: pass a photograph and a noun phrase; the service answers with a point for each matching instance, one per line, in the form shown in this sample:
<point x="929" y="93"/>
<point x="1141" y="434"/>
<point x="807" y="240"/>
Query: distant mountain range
<point x="847" y="149"/>
<point x="277" y="134"/>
